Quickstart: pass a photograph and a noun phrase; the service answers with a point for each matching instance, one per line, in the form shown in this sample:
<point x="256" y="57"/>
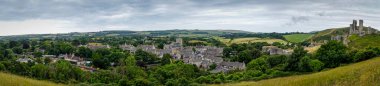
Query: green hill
<point x="7" y="79"/>
<point x="297" y="37"/>
<point x="326" y="34"/>
<point x="366" y="73"/>
<point x="357" y="42"/>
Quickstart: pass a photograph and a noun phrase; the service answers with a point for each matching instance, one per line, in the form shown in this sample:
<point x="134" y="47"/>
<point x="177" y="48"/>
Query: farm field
<point x="247" y="40"/>
<point x="298" y="37"/>
<point x="363" y="73"/>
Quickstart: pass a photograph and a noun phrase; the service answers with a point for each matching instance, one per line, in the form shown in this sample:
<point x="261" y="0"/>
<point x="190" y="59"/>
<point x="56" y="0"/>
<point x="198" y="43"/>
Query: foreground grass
<point x="366" y="73"/>
<point x="7" y="79"/>
<point x="298" y="37"/>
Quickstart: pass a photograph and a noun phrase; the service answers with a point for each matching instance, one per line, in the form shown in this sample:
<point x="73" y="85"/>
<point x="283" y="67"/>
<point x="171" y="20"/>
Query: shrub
<point x="332" y="54"/>
<point x="258" y="64"/>
<point x="316" y="65"/>
<point x="250" y="74"/>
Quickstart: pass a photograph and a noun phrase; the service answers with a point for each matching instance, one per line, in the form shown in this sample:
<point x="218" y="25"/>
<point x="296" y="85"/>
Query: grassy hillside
<point x="326" y="34"/>
<point x="249" y="39"/>
<point x="14" y="80"/>
<point x="372" y="40"/>
<point x="297" y="37"/>
<point x="366" y="73"/>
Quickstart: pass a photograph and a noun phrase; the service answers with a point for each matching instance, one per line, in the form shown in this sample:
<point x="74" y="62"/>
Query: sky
<point x="63" y="16"/>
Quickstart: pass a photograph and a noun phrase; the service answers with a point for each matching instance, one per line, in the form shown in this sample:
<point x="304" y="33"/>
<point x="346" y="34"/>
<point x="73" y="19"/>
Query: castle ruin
<point x="359" y="29"/>
<point x="354" y="29"/>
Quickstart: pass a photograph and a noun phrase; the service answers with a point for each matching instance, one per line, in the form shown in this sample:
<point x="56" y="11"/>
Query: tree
<point x="176" y="71"/>
<point x="2" y="67"/>
<point x="75" y="42"/>
<point x="62" y="71"/>
<point x="84" y="52"/>
<point x="227" y="52"/>
<point x="247" y="55"/>
<point x="295" y="58"/>
<point x="130" y="61"/>
<point x="316" y="65"/>
<point x="115" y="56"/>
<point x="332" y="54"/>
<point x="17" y="50"/>
<point x="259" y="64"/>
<point x="25" y="44"/>
<point x="166" y="59"/>
<point x="303" y="65"/>
<point x="99" y="61"/>
<point x="160" y="46"/>
<point x="145" y="57"/>
<point x="365" y="54"/>
<point x="37" y="54"/>
<point x="40" y="71"/>
<point x="103" y="51"/>
<point x="213" y="66"/>
<point x="278" y="62"/>
<point x="13" y="44"/>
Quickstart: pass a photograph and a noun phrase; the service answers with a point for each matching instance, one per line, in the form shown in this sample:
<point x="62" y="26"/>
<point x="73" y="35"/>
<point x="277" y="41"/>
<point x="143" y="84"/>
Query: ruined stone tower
<point x="353" y="27"/>
<point x="361" y="32"/>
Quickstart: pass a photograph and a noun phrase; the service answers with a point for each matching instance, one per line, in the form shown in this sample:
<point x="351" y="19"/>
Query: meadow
<point x="247" y="40"/>
<point x="298" y="37"/>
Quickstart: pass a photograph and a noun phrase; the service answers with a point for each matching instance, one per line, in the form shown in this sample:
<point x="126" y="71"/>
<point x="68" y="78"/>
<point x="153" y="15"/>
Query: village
<point x="201" y="56"/>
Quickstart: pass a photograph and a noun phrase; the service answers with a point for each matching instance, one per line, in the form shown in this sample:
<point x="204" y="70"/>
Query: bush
<point x="249" y="74"/>
<point x="203" y="79"/>
<point x="332" y="54"/>
<point x="364" y="55"/>
<point x="316" y="65"/>
<point x="277" y="73"/>
<point x="2" y="67"/>
<point x="258" y="64"/>
<point x="303" y="65"/>
<point x="276" y="60"/>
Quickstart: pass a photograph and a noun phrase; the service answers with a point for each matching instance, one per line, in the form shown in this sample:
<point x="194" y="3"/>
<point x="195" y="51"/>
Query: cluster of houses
<point x="75" y="60"/>
<point x="201" y="56"/>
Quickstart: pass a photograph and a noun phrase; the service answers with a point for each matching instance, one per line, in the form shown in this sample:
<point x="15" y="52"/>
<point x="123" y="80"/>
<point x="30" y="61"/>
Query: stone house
<point x="228" y="66"/>
<point x="274" y="50"/>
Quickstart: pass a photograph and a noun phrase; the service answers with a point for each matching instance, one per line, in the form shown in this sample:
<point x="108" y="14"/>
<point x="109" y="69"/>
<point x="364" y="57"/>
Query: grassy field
<point x="297" y="37"/>
<point x="365" y="41"/>
<point x="312" y="49"/>
<point x="366" y="73"/>
<point x="7" y="79"/>
<point x="246" y="40"/>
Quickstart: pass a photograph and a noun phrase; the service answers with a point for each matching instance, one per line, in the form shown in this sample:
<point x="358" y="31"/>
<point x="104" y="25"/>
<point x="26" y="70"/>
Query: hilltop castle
<point x="359" y="30"/>
<point x="354" y="29"/>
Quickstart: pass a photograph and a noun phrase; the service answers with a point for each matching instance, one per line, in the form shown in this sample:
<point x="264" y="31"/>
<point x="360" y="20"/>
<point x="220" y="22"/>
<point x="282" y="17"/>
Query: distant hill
<point x="181" y="33"/>
<point x="364" y="73"/>
<point x="14" y="80"/>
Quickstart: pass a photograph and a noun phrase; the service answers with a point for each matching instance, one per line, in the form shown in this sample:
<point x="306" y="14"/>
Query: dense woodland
<point x="146" y="69"/>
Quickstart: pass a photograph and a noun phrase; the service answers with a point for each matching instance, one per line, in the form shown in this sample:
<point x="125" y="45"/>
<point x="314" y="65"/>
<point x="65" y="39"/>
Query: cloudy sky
<point x="62" y="16"/>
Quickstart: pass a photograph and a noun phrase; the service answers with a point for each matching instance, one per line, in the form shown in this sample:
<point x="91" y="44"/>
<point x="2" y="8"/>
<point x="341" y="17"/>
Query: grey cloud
<point x="92" y="15"/>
